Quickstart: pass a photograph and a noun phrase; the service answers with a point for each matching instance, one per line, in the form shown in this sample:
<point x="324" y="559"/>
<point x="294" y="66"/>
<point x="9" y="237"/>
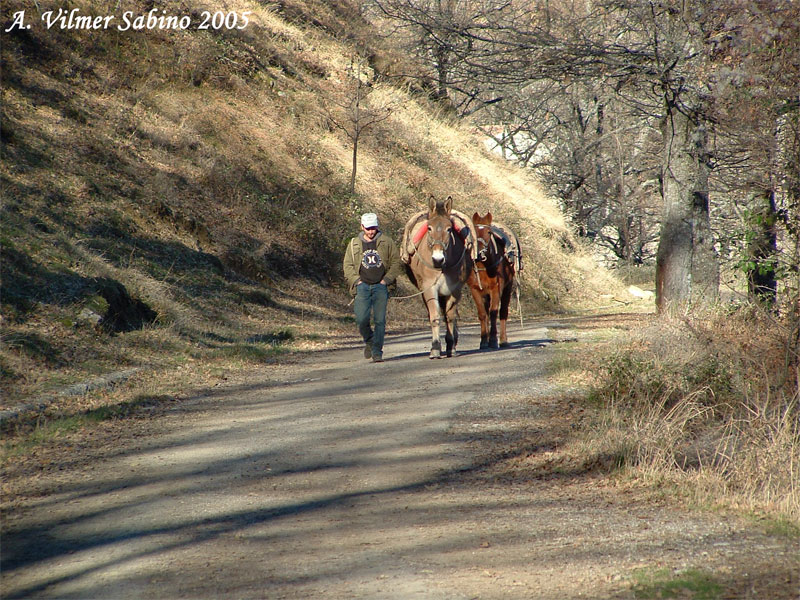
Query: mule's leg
<point x="487" y="310"/>
<point x="432" y="303"/>
<point x="451" y="315"/>
<point x="483" y="317"/>
<point x="505" y="302"/>
<point x="493" y="308"/>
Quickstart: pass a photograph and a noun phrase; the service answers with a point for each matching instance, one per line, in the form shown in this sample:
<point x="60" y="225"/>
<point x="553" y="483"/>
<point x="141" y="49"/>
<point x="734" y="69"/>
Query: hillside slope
<point x="180" y="196"/>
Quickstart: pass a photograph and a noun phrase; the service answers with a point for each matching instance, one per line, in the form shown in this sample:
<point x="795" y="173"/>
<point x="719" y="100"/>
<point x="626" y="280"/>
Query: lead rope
<point x="430" y="287"/>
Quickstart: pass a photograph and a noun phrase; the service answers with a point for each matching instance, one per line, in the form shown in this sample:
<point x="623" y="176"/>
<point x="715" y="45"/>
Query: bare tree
<point x="356" y="114"/>
<point x="757" y="145"/>
<point x="593" y="153"/>
<point x="565" y="87"/>
<point x="439" y="33"/>
<point x="659" y="50"/>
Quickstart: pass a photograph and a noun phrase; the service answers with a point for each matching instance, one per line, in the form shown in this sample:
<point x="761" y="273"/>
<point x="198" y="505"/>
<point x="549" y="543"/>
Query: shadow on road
<point x="516" y="345"/>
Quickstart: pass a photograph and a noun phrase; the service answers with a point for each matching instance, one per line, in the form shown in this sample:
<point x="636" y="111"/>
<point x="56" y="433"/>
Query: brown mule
<point x="439" y="266"/>
<point x="491" y="281"/>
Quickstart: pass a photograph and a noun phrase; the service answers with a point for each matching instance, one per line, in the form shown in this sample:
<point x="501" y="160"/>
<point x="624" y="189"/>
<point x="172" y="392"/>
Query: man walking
<point x="371" y="266"/>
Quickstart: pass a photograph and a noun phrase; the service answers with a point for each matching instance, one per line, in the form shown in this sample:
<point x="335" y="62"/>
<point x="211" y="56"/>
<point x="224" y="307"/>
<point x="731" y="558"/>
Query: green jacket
<point x="389" y="255"/>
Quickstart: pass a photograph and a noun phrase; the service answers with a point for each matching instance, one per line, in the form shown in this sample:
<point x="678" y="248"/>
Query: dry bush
<point x="706" y="401"/>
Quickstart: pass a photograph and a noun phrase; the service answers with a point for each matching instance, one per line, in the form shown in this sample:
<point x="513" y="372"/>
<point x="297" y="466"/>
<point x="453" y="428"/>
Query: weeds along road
<point x="340" y="478"/>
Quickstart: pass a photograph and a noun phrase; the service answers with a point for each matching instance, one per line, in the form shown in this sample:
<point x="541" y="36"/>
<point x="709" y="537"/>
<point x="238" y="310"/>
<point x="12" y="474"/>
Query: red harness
<point x="424" y="229"/>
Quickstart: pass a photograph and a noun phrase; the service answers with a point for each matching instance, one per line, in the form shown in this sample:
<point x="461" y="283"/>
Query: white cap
<point x="369" y="220"/>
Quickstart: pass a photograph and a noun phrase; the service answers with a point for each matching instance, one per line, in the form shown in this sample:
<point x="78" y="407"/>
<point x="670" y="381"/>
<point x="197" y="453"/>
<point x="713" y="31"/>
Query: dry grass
<point x="703" y="404"/>
<point x="193" y="168"/>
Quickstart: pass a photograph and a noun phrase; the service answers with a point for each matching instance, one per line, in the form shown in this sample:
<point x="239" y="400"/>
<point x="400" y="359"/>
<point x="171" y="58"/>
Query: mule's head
<point x="440" y="229"/>
<point x="484" y="231"/>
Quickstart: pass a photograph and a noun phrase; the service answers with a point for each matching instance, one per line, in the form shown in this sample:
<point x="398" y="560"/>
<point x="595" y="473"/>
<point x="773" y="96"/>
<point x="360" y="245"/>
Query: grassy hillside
<point x="178" y="199"/>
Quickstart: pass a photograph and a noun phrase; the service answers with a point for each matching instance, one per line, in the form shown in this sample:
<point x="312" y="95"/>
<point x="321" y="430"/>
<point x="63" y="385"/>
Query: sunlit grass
<point x="665" y="583"/>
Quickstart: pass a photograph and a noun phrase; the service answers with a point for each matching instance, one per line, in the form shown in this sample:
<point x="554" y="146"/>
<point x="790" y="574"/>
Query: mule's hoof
<point x="484" y="345"/>
<point x="493" y="344"/>
<point x="504" y="344"/>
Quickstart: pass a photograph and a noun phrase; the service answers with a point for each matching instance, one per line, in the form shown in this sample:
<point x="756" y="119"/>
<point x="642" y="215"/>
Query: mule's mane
<point x="440" y="210"/>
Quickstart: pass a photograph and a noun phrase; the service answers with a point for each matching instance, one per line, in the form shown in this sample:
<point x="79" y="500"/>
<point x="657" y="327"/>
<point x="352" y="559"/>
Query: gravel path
<point x="339" y="478"/>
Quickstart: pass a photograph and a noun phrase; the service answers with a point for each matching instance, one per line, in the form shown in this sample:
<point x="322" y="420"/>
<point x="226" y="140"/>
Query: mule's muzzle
<point x="438" y="258"/>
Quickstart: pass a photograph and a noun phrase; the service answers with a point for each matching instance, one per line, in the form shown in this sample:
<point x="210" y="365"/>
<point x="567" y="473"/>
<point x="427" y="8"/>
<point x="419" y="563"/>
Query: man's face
<point x="370" y="232"/>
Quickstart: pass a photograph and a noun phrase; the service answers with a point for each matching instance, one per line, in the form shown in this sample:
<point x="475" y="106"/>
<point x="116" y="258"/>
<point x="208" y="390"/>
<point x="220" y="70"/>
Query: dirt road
<point x="339" y="478"/>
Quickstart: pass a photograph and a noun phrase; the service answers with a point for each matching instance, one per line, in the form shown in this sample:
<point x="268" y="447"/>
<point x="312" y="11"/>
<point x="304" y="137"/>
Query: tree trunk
<point x="687" y="271"/>
<point x="355" y="165"/>
<point x="791" y="283"/>
<point x="356" y="134"/>
<point x="762" y="248"/>
<point x="442" y="68"/>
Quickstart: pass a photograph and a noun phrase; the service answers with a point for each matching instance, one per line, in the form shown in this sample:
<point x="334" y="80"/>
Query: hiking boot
<point x="377" y="358"/>
<point x="368" y="351"/>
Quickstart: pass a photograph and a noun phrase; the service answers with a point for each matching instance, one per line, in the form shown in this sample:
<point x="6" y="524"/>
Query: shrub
<point x="708" y="400"/>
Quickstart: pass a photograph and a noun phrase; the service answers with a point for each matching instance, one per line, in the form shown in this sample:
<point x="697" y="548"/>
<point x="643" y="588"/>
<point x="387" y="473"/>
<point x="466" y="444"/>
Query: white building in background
<point x="517" y="147"/>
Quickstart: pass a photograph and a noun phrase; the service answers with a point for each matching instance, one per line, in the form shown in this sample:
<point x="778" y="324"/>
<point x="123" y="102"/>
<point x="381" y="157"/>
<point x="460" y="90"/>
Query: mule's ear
<point x="475" y="217"/>
<point x="431" y="205"/>
<point x="489" y="218"/>
<point x="448" y="204"/>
